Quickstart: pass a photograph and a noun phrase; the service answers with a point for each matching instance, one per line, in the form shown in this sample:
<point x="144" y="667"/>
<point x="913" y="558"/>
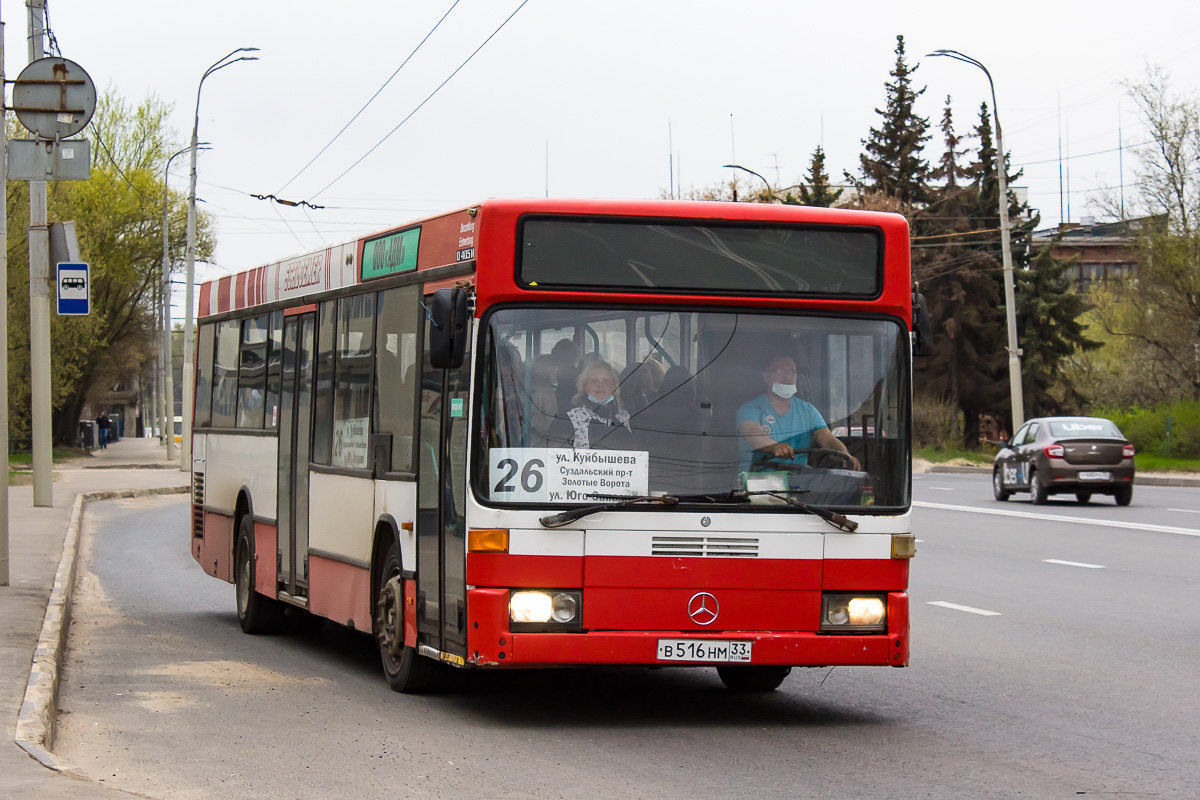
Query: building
<point x="1103" y="250"/>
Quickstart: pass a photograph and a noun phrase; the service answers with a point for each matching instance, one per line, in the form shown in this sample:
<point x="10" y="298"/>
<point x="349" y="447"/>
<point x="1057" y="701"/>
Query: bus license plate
<point x="703" y="650"/>
<point x="1095" y="476"/>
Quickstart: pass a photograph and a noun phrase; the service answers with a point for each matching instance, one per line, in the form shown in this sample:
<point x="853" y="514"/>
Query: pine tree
<point x="957" y="280"/>
<point x="892" y="163"/>
<point x="816" y="189"/>
<point x="1051" y="333"/>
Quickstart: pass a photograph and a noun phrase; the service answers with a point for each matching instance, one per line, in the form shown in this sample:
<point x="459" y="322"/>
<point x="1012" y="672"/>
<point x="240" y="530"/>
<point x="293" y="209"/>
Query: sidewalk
<point x="36" y="537"/>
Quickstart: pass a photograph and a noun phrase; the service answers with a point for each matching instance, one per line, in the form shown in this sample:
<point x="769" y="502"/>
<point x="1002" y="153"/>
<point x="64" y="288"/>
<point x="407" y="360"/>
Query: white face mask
<point x="603" y="402"/>
<point x="784" y="390"/>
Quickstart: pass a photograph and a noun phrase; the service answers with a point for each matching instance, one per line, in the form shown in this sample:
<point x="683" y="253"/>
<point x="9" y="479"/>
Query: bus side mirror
<point x="922" y="332"/>
<point x="447" y="328"/>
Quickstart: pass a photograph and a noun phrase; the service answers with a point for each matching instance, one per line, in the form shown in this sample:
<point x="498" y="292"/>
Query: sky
<point x="573" y="99"/>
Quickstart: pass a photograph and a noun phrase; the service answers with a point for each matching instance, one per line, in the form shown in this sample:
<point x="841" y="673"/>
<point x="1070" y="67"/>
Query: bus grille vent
<point x="724" y="546"/>
<point x="198" y="505"/>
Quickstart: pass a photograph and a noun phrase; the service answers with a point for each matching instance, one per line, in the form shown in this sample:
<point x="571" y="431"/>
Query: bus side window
<point x="323" y="397"/>
<point x="225" y="374"/>
<point x="396" y="373"/>
<point x="274" y="365"/>
<point x="204" y="374"/>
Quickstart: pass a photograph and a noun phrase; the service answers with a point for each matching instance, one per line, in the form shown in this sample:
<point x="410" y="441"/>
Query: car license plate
<point x="1095" y="476"/>
<point x="703" y="650"/>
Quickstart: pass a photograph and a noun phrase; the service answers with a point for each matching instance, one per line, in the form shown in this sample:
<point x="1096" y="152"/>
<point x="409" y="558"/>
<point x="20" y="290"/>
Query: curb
<point x="35" y="723"/>
<point x="1142" y="479"/>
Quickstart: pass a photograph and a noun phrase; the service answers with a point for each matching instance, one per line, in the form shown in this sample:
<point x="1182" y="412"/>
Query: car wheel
<point x="752" y="679"/>
<point x="1037" y="490"/>
<point x="998" y="490"/>
<point x="1123" y="495"/>
<point x="1083" y="497"/>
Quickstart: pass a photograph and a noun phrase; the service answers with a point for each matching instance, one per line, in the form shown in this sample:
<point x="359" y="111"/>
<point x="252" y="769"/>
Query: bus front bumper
<point x="501" y="648"/>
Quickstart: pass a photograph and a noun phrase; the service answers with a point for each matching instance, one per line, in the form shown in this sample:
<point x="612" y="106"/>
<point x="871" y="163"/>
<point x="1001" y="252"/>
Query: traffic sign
<point x="54" y="98"/>
<point x="74" y="289"/>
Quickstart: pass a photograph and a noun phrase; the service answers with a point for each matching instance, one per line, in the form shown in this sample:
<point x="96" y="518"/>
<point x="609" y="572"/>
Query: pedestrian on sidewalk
<point x="102" y="429"/>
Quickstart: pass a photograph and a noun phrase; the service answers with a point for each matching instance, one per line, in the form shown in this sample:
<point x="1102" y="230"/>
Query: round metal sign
<point x="54" y="98"/>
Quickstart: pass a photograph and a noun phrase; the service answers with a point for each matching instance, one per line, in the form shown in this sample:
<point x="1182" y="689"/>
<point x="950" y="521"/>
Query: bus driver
<point x="777" y="424"/>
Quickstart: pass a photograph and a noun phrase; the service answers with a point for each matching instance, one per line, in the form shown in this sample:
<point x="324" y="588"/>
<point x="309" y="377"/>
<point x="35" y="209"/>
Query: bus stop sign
<point x="74" y="290"/>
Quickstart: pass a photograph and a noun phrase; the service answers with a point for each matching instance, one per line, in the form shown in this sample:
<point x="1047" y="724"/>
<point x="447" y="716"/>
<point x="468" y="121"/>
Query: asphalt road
<point x="1030" y="678"/>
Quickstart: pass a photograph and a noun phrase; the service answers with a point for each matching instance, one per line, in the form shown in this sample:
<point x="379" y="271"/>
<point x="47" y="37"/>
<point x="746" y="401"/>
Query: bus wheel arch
<point x="257" y="613"/>
<point x="406" y="671"/>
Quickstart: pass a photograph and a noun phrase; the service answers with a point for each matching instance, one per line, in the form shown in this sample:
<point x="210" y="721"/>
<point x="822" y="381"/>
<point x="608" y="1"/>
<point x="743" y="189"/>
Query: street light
<point x="1014" y="354"/>
<point x="166" y="411"/>
<point x="185" y="442"/>
<point x="755" y="174"/>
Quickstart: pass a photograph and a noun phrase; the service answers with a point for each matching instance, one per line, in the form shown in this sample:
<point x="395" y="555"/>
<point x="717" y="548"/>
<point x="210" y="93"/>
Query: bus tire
<point x="752" y="679"/>
<point x="410" y="672"/>
<point x="256" y="612"/>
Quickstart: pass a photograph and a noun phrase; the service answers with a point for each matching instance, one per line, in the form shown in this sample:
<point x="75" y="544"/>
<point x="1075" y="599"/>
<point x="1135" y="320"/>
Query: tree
<point x="892" y="163"/>
<point x="816" y="189"/>
<point x="1051" y="335"/>
<point x="957" y="277"/>
<point x="118" y="220"/>
<point x="1159" y="307"/>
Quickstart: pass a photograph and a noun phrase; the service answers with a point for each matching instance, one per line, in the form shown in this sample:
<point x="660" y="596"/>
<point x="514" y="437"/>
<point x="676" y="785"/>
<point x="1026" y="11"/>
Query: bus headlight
<point x="544" y="610"/>
<point x="853" y="613"/>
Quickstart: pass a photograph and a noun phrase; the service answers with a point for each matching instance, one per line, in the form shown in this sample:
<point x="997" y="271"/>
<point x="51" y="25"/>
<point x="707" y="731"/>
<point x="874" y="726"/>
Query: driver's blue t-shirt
<point x="793" y="428"/>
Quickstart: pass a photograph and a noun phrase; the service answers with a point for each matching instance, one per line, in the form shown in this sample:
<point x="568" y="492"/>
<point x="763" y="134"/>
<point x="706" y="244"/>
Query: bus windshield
<point x="588" y="404"/>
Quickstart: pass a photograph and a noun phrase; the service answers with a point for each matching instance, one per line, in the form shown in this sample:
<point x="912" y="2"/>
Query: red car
<point x="1082" y="456"/>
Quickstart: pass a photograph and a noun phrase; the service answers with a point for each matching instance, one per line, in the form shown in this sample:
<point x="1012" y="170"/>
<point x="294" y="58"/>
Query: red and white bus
<point x="400" y="434"/>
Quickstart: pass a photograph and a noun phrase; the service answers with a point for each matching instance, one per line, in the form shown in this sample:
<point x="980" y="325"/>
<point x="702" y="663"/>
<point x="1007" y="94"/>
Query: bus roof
<point x="453" y="238"/>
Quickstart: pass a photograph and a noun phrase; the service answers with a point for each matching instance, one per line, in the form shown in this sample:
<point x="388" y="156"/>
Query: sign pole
<point x="3" y="321"/>
<point x="39" y="307"/>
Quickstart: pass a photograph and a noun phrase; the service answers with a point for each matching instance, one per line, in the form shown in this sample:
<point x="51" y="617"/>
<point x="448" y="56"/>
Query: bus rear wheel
<point x="256" y="612"/>
<point x="406" y="671"/>
<point x="752" y="679"/>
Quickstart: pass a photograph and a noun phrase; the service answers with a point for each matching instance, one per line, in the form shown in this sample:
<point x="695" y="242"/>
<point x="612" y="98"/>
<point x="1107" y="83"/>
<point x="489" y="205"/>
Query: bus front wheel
<point x="405" y="670"/>
<point x="752" y="679"/>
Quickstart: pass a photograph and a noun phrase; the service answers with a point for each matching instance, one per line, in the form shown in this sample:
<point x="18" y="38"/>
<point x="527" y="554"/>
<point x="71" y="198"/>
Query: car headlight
<point x="853" y="613"/>
<point x="545" y="610"/>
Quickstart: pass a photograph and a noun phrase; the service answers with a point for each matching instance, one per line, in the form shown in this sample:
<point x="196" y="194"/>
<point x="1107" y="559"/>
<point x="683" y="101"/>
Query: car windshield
<point x="1084" y="429"/>
<point x="584" y="404"/>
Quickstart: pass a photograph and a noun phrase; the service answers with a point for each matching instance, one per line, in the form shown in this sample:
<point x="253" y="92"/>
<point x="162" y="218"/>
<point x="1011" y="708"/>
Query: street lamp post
<point x="185" y="449"/>
<point x="167" y="410"/>
<point x="755" y="174"/>
<point x="1014" y="354"/>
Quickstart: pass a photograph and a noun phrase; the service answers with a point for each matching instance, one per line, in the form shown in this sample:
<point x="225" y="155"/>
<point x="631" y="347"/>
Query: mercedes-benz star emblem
<point x="703" y="608"/>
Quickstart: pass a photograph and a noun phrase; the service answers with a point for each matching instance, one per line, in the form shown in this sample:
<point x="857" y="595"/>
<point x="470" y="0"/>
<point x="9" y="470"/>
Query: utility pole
<point x="3" y="320"/>
<point x="39" y="304"/>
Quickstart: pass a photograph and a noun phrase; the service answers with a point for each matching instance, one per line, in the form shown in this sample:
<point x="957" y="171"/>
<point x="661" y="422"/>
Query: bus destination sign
<point x="390" y="254"/>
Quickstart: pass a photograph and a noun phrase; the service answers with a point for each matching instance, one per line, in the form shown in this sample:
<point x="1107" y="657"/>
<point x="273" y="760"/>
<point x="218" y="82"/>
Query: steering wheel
<point x="818" y="453"/>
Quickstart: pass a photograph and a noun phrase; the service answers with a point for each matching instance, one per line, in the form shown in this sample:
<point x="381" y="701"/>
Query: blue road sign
<point x="74" y="290"/>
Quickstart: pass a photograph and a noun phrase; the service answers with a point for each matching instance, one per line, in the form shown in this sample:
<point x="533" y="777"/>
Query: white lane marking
<point x="1072" y="563"/>
<point x="1099" y="523"/>
<point x="1185" y="510"/>
<point x="968" y="609"/>
<point x="940" y="488"/>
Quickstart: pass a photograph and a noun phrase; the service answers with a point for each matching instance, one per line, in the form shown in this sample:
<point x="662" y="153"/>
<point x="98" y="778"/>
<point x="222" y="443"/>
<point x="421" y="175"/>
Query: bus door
<point x="441" y="499"/>
<point x="295" y="446"/>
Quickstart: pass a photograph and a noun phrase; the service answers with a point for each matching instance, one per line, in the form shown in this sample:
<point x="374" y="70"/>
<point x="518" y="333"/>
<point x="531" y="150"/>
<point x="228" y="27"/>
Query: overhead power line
<point x="423" y="102"/>
<point x="364" y="108"/>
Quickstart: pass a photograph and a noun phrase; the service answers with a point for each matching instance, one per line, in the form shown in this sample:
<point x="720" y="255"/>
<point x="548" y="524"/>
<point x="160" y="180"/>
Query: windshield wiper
<point x="835" y="519"/>
<point x="566" y="517"/>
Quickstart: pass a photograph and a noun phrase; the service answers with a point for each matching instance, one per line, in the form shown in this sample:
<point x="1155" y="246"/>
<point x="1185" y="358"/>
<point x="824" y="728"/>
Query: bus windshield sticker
<point x="350" y="443"/>
<point x="390" y="254"/>
<point x="564" y="475"/>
